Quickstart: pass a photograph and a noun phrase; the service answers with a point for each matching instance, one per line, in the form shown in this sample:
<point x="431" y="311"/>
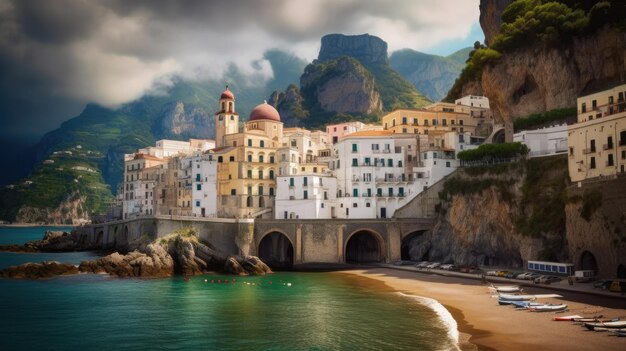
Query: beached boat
<point x="525" y="304"/>
<point x="618" y="332"/>
<point x="590" y="319"/>
<point x="566" y="318"/>
<point x="506" y="288"/>
<point x="610" y="325"/>
<point x="516" y="297"/>
<point x="549" y="307"/>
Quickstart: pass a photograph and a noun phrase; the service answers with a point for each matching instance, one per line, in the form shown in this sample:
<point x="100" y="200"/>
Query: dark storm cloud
<point x="55" y="56"/>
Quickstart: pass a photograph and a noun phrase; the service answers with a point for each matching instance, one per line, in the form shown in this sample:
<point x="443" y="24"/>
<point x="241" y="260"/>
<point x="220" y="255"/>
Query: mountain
<point x="350" y="79"/>
<point x="542" y="55"/>
<point x="78" y="166"/>
<point x="432" y="75"/>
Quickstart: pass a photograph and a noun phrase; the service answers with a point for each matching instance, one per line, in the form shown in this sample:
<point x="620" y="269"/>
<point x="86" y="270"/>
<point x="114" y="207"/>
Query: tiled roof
<point x="371" y="133"/>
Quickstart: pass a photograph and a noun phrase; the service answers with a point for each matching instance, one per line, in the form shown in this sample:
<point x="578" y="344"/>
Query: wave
<point x="443" y="314"/>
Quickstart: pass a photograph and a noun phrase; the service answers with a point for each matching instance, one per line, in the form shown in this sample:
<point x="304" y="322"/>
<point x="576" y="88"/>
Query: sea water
<point x="281" y="311"/>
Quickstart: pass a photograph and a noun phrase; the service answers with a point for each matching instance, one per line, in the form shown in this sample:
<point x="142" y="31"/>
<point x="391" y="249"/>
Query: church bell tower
<point x="226" y="119"/>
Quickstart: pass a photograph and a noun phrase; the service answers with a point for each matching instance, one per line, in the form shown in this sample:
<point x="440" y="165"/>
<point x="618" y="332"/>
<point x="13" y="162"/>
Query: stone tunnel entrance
<point x="588" y="262"/>
<point x="413" y="246"/>
<point x="276" y="251"/>
<point x="363" y="247"/>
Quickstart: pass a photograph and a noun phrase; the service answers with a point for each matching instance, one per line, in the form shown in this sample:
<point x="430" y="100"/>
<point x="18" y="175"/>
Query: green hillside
<point x="432" y="75"/>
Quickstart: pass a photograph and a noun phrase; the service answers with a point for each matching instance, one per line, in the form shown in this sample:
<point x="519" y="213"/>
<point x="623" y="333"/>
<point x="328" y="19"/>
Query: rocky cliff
<point x="342" y="85"/>
<point x="365" y="48"/>
<point x="540" y="78"/>
<point x="490" y="12"/>
<point x="182" y="120"/>
<point x="499" y="216"/>
<point x="72" y="211"/>
<point x="290" y="106"/>
<point x="543" y="55"/>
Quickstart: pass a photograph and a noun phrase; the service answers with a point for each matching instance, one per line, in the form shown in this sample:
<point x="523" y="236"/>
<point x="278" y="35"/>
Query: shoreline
<point x="30" y="225"/>
<point x="484" y="325"/>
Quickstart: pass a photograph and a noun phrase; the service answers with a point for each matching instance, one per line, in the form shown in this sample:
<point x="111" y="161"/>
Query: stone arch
<point x="410" y="246"/>
<point x="100" y="237"/>
<point x="621" y="271"/>
<point x="276" y="250"/>
<point x="249" y="201"/>
<point x="588" y="261"/>
<point x="364" y="246"/>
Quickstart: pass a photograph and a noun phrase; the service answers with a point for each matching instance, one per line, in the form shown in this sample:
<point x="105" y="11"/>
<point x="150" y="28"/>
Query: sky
<point x="57" y="56"/>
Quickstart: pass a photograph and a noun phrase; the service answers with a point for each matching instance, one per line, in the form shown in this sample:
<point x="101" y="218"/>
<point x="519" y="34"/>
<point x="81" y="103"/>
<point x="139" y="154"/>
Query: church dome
<point x="227" y="94"/>
<point x="264" y="111"/>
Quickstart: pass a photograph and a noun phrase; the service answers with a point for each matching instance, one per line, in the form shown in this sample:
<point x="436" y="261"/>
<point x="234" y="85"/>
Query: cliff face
<point x="179" y="120"/>
<point x="343" y="86"/>
<point x="290" y="106"/>
<point x="490" y="11"/>
<point x="72" y="210"/>
<point x="537" y="79"/>
<point x="366" y="48"/>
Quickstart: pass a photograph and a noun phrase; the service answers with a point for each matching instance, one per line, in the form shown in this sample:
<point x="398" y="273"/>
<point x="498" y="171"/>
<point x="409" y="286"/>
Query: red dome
<point x="264" y="111"/>
<point x="227" y="94"/>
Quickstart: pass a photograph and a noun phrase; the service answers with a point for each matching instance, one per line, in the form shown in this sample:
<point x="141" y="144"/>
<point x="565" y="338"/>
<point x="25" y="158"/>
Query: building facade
<point x="544" y="141"/>
<point x="597" y="143"/>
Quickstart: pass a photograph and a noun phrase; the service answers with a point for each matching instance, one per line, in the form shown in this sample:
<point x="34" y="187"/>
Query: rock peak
<point x="366" y="48"/>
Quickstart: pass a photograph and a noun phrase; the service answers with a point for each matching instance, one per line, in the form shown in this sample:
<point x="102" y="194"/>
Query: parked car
<point x="547" y="279"/>
<point x="501" y="273"/>
<point x="422" y="264"/>
<point x="433" y="265"/>
<point x="491" y="273"/>
<point x="403" y="263"/>
<point x="602" y="284"/>
<point x="528" y="276"/>
<point x="449" y="267"/>
<point x="618" y="285"/>
<point x="511" y="275"/>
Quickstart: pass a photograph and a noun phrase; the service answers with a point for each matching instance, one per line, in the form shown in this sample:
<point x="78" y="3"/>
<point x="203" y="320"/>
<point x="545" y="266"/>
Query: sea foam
<point x="443" y="314"/>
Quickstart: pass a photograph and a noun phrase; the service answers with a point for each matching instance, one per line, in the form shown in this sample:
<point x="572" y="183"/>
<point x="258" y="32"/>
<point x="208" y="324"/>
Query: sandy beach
<point x="492" y="327"/>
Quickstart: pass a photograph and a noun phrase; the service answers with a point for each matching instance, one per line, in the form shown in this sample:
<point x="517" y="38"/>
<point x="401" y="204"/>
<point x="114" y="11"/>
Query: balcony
<point x="622" y="142"/>
<point x="589" y="151"/>
<point x="607" y="146"/>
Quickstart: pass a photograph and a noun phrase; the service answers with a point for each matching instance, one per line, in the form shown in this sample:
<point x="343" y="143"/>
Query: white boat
<point x="509" y="297"/>
<point x="610" y="325"/>
<point x="506" y="288"/>
<point x="548" y="307"/>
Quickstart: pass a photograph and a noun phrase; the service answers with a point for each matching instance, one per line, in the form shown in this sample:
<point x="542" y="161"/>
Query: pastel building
<point x="306" y="196"/>
<point x="339" y="130"/>
<point x="597" y="143"/>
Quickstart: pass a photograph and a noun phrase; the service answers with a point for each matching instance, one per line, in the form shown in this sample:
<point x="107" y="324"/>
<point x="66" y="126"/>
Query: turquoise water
<point x="319" y="311"/>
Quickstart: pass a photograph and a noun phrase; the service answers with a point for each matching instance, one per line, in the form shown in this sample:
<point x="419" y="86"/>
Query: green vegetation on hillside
<point x="493" y="153"/>
<point x="542" y="207"/>
<point x="540" y="119"/>
<point x="529" y="22"/>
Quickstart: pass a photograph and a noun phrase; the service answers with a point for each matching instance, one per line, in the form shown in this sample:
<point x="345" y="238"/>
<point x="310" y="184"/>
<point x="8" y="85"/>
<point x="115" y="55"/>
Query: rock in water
<point x="255" y="266"/>
<point x="45" y="269"/>
<point x="232" y="266"/>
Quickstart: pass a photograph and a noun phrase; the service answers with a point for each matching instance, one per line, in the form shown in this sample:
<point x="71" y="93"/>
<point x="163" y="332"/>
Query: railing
<point x="607" y="146"/>
<point x="589" y="150"/>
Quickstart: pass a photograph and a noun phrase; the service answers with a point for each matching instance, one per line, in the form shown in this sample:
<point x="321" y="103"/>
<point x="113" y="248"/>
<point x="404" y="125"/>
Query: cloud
<point x="112" y="52"/>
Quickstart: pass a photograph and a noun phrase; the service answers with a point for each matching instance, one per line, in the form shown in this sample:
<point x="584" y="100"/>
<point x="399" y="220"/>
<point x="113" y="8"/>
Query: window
<point x="448" y="164"/>
<point x="609" y="162"/>
<point x="399" y="163"/>
<point x="609" y="143"/>
<point x="367" y="204"/>
<point x="261" y="190"/>
<point x="197" y="179"/>
<point x="262" y="143"/>
<point x="271" y="174"/>
<point x="425" y="122"/>
<point x="354" y="148"/>
<point x="233" y="192"/>
<point x="249" y="142"/>
<point x="592" y="164"/>
<point x="291" y="182"/>
<point x="379" y="192"/>
<point x="271" y="191"/>
<point x="249" y="173"/>
<point x="305" y="181"/>
<point x="393" y="123"/>
<point x="306" y="194"/>
<point x="286" y="214"/>
<point x="403" y="120"/>
<point x="367" y="161"/>
<point x="354" y="204"/>
<point x="404" y="130"/>
<point x="249" y="158"/>
<point x="461" y="123"/>
<point x="260" y="174"/>
<point x="271" y="159"/>
<point x="220" y="159"/>
<point x="434" y="122"/>
<point x="389" y="163"/>
<point x="594" y="104"/>
<point x="325" y="195"/>
<point x="293" y="143"/>
<point x="375" y="147"/>
<point x="198" y="186"/>
<point x="415" y="121"/>
<point x="390" y="191"/>
<point x="232" y="159"/>
<point x="260" y="158"/>
<point x="355" y="162"/>
<point x="197" y="203"/>
<point x="401" y="191"/>
<point x="593" y="145"/>
<point x="355" y="192"/>
<point x="444" y="122"/>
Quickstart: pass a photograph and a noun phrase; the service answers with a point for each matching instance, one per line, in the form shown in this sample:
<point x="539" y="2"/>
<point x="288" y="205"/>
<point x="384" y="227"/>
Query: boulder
<point x="41" y="270"/>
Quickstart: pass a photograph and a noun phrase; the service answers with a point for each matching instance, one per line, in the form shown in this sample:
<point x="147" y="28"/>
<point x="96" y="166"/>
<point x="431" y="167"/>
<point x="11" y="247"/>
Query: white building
<point x="306" y="197"/>
<point x="473" y="101"/>
<point x="545" y="141"/>
<point x="203" y="186"/>
<point x="338" y="131"/>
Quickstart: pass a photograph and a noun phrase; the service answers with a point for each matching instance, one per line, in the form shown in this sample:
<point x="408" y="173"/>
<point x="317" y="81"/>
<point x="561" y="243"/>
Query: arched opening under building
<point x="588" y="262"/>
<point x="276" y="251"/>
<point x="412" y="248"/>
<point x="99" y="237"/>
<point x="249" y="201"/>
<point x="621" y="271"/>
<point x="363" y="247"/>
